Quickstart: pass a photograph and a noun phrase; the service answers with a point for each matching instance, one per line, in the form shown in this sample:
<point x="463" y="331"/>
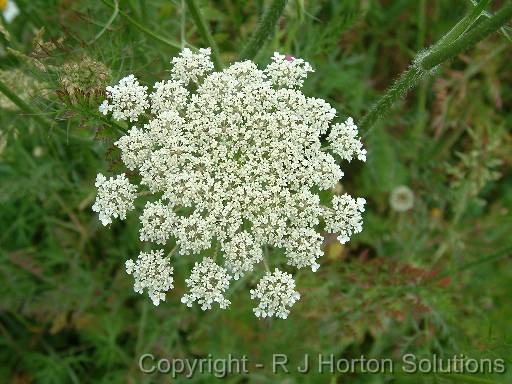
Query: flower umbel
<point x="207" y="284"/>
<point x="276" y="292"/>
<point x="236" y="163"/>
<point x="115" y="197"/>
<point x="127" y="100"/>
<point x="151" y="271"/>
<point x="190" y="66"/>
<point x="288" y="71"/>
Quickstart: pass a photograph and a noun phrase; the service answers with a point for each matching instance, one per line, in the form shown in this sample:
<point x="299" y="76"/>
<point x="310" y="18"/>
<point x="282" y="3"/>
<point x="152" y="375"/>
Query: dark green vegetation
<point x="434" y="279"/>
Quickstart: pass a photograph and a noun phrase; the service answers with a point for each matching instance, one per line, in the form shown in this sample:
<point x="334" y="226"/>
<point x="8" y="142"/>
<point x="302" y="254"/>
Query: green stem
<point x="504" y="252"/>
<point x="463" y="24"/>
<point x="23" y="105"/>
<point x="183" y="22"/>
<point x="97" y="115"/>
<point x="423" y="63"/>
<point x="400" y="87"/>
<point x="204" y="31"/>
<point x="422" y="92"/>
<point x="265" y="30"/>
<point x="465" y="42"/>
<point x="109" y="22"/>
<point x="110" y="122"/>
<point x="505" y="30"/>
<point x="143" y="28"/>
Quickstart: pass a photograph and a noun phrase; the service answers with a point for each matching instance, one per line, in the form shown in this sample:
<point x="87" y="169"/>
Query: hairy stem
<point x="400" y="87"/>
<point x="464" y="23"/>
<point x="204" y="31"/>
<point x="24" y="106"/>
<point x="451" y="46"/>
<point x="265" y="29"/>
<point x="480" y="32"/>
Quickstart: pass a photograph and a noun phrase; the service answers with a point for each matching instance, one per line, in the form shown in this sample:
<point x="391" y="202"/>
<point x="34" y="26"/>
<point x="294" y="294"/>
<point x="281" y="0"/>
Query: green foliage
<point x="418" y="281"/>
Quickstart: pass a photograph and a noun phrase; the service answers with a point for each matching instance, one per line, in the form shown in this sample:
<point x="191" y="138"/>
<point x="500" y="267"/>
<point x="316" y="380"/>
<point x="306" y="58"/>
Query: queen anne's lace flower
<point x="344" y="141"/>
<point x="304" y="246"/>
<point x="276" y="293"/>
<point x="207" y="284"/>
<point x="82" y="79"/>
<point x="168" y="95"/>
<point x="345" y="216"/>
<point x="127" y="100"/>
<point x="115" y="197"/>
<point x="135" y="147"/>
<point x="153" y="272"/>
<point x="190" y="66"/>
<point x="237" y="165"/>
<point x="193" y="233"/>
<point x="242" y="252"/>
<point x="287" y="71"/>
<point x="157" y="222"/>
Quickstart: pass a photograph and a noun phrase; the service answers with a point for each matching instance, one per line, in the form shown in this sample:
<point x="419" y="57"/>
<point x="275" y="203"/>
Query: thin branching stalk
<point x="505" y="30"/>
<point x="495" y="256"/>
<point x="400" y="87"/>
<point x="183" y="21"/>
<point x="110" y="122"/>
<point x="143" y="28"/>
<point x="462" y="26"/>
<point x="105" y="119"/>
<point x="204" y="31"/>
<point x="24" y="106"/>
<point x="108" y="23"/>
<point x="265" y="30"/>
<point x="440" y="53"/>
<point x="465" y="42"/>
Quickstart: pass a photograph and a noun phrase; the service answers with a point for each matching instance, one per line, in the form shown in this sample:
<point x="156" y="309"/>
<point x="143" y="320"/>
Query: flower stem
<point x="503" y="252"/>
<point x="23" y="105"/>
<point x="265" y="261"/>
<point x="448" y="48"/>
<point x="143" y="28"/>
<point x="265" y="29"/>
<point x="463" y="24"/>
<point x="109" y="22"/>
<point x="106" y="120"/>
<point x="480" y="32"/>
<point x="198" y="18"/>
<point x="400" y="87"/>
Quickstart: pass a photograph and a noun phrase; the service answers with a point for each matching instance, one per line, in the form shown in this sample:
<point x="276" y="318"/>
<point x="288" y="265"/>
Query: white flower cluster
<point x="127" y="100"/>
<point x="157" y="220"/>
<point x="236" y="164"/>
<point x="344" y="141"/>
<point x="345" y="217"/>
<point x="242" y="253"/>
<point x="207" y="282"/>
<point x="276" y="292"/>
<point x="190" y="66"/>
<point x="287" y="71"/>
<point x="115" y="197"/>
<point x="152" y="272"/>
<point x="135" y="147"/>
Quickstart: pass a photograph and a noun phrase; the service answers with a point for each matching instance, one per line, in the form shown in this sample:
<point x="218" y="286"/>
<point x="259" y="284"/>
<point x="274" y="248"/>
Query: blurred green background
<point x="434" y="279"/>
